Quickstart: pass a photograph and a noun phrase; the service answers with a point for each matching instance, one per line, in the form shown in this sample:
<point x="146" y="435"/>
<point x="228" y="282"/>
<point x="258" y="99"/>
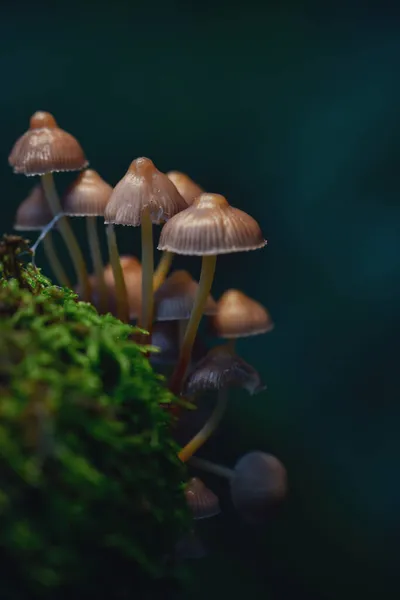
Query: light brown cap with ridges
<point x="174" y="300"/>
<point x="240" y="316"/>
<point x="33" y="213"/>
<point x="222" y="368"/>
<point x="87" y="196"/>
<point x="45" y="148"/>
<point x="211" y="226"/>
<point x="202" y="501"/>
<point x="143" y="186"/>
<point x="187" y="188"/>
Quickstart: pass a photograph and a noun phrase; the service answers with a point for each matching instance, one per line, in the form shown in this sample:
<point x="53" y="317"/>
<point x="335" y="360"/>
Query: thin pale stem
<point x="205" y="283"/>
<point x="162" y="269"/>
<point x="97" y="260"/>
<point x="54" y="261"/>
<point x="208" y="429"/>
<point x="120" y="286"/>
<point x="181" y="332"/>
<point x="210" y="467"/>
<point x="147" y="273"/>
<point x="68" y="235"/>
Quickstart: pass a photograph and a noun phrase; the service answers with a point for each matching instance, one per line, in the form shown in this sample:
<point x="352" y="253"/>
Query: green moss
<point x="91" y="496"/>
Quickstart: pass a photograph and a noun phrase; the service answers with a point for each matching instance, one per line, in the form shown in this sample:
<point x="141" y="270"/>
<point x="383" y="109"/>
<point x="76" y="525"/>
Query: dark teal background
<point x="293" y="113"/>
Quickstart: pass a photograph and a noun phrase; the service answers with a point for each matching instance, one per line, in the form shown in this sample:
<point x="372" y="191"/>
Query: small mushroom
<point x="218" y="370"/>
<point x="34" y="214"/>
<point x="143" y="197"/>
<point x="87" y="197"/>
<point x="43" y="150"/>
<point x="202" y="501"/>
<point x="188" y="189"/>
<point x="210" y="226"/>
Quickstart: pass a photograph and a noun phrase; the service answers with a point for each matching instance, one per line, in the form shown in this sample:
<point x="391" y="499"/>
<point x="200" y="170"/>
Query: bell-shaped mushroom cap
<point x="33" y="213"/>
<point x="174" y="300"/>
<point x="87" y="196"/>
<point x="202" y="502"/>
<point x="45" y="148"/>
<point x="240" y="316"/>
<point x="222" y="368"/>
<point x="259" y="481"/>
<point x="132" y="270"/>
<point x="188" y="189"/>
<point x="211" y="226"/>
<point x="143" y="186"/>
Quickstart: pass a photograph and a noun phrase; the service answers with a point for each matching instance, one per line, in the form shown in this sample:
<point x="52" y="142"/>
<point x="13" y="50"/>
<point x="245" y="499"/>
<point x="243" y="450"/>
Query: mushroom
<point x="239" y="316"/>
<point x="87" y="197"/>
<point x="34" y="214"/>
<point x="43" y="150"/>
<point x="258" y="482"/>
<point x="219" y="370"/>
<point x="174" y="300"/>
<point x="210" y="226"/>
<point x="143" y="197"/>
<point x="202" y="501"/>
<point x="188" y="189"/>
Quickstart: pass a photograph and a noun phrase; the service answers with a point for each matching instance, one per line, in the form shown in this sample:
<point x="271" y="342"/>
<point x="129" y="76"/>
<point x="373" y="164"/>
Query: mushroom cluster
<point x="168" y="308"/>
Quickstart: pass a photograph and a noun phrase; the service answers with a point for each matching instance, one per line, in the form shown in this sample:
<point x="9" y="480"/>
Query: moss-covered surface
<point x="91" y="496"/>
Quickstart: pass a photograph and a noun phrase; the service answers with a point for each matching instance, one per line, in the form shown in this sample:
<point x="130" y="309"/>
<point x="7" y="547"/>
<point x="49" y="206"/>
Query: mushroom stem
<point x="120" y="287"/>
<point x="162" y="269"/>
<point x="181" y="332"/>
<point x="210" y="467"/>
<point x="147" y="272"/>
<point x="54" y="261"/>
<point x="68" y="235"/>
<point x="97" y="261"/>
<point x="208" y="428"/>
<point x="231" y="344"/>
<point x="205" y="283"/>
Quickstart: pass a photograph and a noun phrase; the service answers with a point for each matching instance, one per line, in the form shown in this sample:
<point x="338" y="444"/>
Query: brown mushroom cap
<point x="222" y="368"/>
<point x="240" y="316"/>
<point x="87" y="196"/>
<point x="211" y="226"/>
<point x="188" y="189"/>
<point x="202" y="501"/>
<point x="174" y="300"/>
<point x="143" y="186"/>
<point x="33" y="213"/>
<point x="45" y="148"/>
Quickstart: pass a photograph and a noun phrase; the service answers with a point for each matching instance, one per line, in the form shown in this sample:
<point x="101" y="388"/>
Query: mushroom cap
<point x="174" y="300"/>
<point x="211" y="226"/>
<point x="45" y="148"/>
<point x="143" y="186"/>
<point x="165" y="336"/>
<point x="188" y="189"/>
<point x="34" y="212"/>
<point x="202" y="501"/>
<point x="222" y="368"/>
<point x="260" y="480"/>
<point x="240" y="316"/>
<point x="87" y="196"/>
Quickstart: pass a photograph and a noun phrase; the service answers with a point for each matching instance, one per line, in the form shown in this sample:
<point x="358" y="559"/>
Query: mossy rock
<point x="91" y="490"/>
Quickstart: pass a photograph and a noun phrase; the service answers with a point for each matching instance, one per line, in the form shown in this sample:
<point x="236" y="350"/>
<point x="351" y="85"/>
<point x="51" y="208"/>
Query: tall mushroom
<point x="87" y="197"/>
<point x="43" y="150"/>
<point x="210" y="226"/>
<point x="143" y="197"/>
<point x="34" y="214"/>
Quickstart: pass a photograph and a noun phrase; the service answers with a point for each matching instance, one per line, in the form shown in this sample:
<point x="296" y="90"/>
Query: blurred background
<point x="291" y="110"/>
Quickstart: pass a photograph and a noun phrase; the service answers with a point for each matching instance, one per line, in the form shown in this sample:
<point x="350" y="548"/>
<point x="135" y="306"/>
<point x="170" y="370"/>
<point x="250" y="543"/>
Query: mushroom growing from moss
<point x="210" y="226"/>
<point x="143" y="197"/>
<point x="34" y="214"/>
<point x="258" y="482"/>
<point x="87" y="197"/>
<point x="43" y="150"/>
<point x="219" y="370"/>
